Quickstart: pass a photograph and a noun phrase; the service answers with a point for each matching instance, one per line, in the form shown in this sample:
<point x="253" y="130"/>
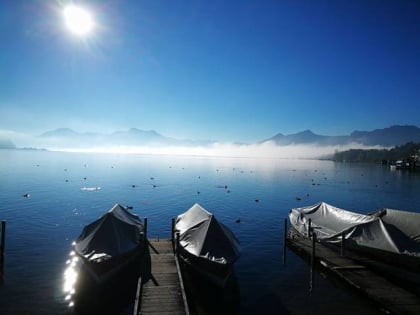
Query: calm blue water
<point x="41" y="228"/>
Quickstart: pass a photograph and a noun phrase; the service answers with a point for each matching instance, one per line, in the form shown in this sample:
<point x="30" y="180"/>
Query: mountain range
<point x="387" y="137"/>
<point x="65" y="138"/>
<point x="133" y="137"/>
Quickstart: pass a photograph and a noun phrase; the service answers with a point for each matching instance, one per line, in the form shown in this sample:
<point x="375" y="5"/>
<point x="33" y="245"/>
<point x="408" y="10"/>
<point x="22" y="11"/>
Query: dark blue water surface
<point x="41" y="228"/>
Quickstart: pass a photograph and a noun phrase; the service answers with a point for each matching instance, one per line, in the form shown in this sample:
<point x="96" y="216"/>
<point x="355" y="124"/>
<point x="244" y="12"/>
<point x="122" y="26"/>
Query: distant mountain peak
<point x="66" y="137"/>
<point x="60" y="132"/>
<point x="150" y="132"/>
<point x="306" y="132"/>
<point x="390" y="136"/>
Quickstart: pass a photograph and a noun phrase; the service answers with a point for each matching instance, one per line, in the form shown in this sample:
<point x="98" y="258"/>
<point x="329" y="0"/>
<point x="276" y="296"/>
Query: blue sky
<point x="220" y="70"/>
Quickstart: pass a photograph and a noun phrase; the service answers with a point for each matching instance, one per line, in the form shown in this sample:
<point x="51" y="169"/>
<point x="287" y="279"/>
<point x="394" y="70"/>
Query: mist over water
<point x="266" y="149"/>
<point x="42" y="227"/>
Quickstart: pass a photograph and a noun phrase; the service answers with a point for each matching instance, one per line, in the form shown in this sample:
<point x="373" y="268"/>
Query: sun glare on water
<point x="78" y="20"/>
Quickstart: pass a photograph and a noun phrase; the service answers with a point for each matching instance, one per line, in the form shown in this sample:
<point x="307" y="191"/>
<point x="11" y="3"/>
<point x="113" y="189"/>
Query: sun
<point x="78" y="20"/>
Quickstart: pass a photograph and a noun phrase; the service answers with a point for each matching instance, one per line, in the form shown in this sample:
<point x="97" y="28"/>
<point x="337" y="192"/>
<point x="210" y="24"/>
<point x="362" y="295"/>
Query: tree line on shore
<point x="408" y="151"/>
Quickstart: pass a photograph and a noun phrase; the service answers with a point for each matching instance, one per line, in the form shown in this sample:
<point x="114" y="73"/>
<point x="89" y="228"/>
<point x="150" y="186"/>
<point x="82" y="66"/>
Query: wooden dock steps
<point x="390" y="296"/>
<point x="164" y="293"/>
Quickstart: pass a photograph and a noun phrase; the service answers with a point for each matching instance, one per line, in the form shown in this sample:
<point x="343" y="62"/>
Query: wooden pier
<point x="362" y="277"/>
<point x="164" y="293"/>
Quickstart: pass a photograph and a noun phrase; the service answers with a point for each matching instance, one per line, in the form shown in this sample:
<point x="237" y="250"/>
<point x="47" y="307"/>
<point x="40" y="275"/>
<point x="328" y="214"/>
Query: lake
<point x="42" y="227"/>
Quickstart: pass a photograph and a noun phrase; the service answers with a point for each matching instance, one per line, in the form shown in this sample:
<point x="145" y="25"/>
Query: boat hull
<point x="102" y="271"/>
<point x="214" y="272"/>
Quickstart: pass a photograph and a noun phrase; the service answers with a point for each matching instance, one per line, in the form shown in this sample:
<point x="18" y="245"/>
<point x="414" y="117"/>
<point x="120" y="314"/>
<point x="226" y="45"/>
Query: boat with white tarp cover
<point x="206" y="244"/>
<point x="388" y="234"/>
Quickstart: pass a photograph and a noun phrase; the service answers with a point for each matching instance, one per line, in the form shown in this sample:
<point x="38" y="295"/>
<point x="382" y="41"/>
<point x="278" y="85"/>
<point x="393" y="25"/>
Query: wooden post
<point x="137" y="302"/>
<point x="309" y="227"/>
<point x="311" y="284"/>
<point x="173" y="234"/>
<point x="177" y="244"/>
<point x="145" y="232"/>
<point x="173" y="229"/>
<point x="284" y="241"/>
<point x="2" y="245"/>
<point x="342" y="244"/>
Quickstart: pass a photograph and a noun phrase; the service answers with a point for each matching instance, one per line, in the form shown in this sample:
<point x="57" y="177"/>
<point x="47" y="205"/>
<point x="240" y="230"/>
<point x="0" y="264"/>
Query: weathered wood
<point x="377" y="288"/>
<point x="164" y="293"/>
<point x="284" y="241"/>
<point x="138" y="297"/>
<point x="145" y="231"/>
<point x="311" y="281"/>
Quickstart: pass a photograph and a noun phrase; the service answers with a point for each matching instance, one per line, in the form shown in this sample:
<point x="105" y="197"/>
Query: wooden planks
<point x="389" y="295"/>
<point x="164" y="293"/>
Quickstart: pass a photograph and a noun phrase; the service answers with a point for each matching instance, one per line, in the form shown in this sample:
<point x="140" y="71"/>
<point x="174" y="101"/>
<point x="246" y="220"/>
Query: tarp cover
<point x="409" y="222"/>
<point x="203" y="236"/>
<point x="388" y="230"/>
<point x="115" y="233"/>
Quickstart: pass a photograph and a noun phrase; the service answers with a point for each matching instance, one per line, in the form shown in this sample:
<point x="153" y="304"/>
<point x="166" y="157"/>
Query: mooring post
<point x="311" y="284"/>
<point x="173" y="229"/>
<point x="145" y="231"/>
<point x="284" y="241"/>
<point x="342" y="244"/>
<point x="173" y="234"/>
<point x="309" y="227"/>
<point x="177" y="244"/>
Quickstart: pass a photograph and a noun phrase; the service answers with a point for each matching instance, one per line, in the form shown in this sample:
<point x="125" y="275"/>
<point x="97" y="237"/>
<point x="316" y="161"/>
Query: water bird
<point x="257" y="200"/>
<point x="298" y="198"/>
<point x="67" y="180"/>
<point x="84" y="178"/>
<point x="238" y="220"/>
<point x="134" y="186"/>
<point x="198" y="192"/>
<point x="152" y="178"/>
<point x="26" y="195"/>
<point x="129" y="207"/>
<point x="154" y="186"/>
